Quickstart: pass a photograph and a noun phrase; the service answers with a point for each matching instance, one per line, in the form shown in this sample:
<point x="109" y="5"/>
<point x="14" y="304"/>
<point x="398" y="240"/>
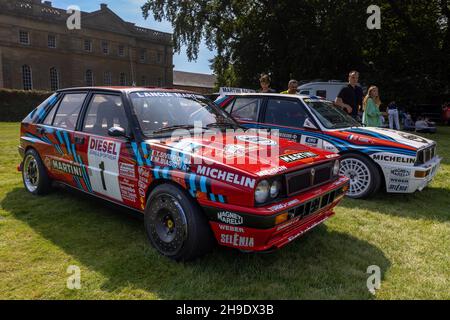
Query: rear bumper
<point x="250" y="232"/>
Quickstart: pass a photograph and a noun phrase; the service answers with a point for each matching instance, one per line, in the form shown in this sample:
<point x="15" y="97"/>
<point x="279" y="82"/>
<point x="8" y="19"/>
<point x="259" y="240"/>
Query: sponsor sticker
<point x="293" y="157"/>
<point x="285" y="205"/>
<point x="257" y="140"/>
<point x="226" y="176"/>
<point x="126" y="170"/>
<point x="226" y="227"/>
<point x="230" y="218"/>
<point x="237" y="240"/>
<point x="393" y="158"/>
<point x="65" y="167"/>
<point x="400" y="172"/>
<point x="272" y="171"/>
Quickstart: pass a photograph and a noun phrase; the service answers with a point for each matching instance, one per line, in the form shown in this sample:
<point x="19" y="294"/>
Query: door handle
<point x="41" y="130"/>
<point x="79" y="140"/>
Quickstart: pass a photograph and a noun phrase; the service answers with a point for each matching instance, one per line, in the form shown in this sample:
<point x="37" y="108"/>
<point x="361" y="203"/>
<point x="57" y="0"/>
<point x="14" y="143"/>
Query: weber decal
<point x="293" y="157"/>
<point x="230" y="218"/>
<point x="69" y="168"/>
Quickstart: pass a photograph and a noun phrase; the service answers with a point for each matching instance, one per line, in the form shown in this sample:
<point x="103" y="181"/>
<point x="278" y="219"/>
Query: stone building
<point x="38" y="51"/>
<point x="197" y="82"/>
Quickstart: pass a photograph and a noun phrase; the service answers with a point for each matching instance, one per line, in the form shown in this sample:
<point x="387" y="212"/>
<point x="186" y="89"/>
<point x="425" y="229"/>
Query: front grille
<point x="425" y="155"/>
<point x="315" y="205"/>
<point x="308" y="178"/>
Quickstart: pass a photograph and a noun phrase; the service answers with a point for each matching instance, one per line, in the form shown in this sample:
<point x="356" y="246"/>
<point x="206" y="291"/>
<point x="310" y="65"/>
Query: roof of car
<point x="125" y="89"/>
<point x="300" y="96"/>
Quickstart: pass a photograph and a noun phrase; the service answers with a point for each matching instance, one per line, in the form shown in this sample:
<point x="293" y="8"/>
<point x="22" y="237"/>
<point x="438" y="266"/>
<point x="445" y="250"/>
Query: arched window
<point x="123" y="79"/>
<point x="54" y="79"/>
<point x="27" y="77"/>
<point x="107" y="78"/>
<point x="89" y="77"/>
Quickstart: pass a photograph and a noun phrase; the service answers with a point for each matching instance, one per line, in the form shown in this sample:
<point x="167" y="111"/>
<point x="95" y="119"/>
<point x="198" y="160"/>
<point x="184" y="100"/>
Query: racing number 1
<point x="102" y="174"/>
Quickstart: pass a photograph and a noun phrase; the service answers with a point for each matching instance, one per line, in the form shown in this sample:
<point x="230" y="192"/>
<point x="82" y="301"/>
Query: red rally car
<point x="119" y="144"/>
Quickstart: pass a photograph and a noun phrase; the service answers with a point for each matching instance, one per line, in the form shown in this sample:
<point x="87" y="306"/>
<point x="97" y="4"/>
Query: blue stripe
<point x="146" y="154"/>
<point x="165" y="173"/>
<point x="137" y="154"/>
<point x="221" y="199"/>
<point x="203" y="184"/>
<point x="58" y="135"/>
<point x="156" y="173"/>
<point x="66" y="138"/>
<point x="192" y="182"/>
<point x="213" y="197"/>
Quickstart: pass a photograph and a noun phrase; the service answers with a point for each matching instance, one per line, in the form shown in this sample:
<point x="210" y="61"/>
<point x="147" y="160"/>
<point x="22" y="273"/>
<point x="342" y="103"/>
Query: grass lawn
<point x="407" y="236"/>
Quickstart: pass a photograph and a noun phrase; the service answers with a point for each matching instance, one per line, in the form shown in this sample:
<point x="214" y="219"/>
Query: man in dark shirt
<point x="350" y="99"/>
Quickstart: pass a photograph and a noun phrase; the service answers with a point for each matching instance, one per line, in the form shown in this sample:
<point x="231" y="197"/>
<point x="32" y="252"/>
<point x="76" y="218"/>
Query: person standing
<point x="393" y="116"/>
<point x="292" y="87"/>
<point x="350" y="98"/>
<point x="265" y="81"/>
<point x="371" y="107"/>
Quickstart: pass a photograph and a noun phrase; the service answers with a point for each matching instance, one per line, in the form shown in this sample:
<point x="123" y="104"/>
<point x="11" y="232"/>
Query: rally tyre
<point x="364" y="176"/>
<point x="34" y="174"/>
<point x="175" y="225"/>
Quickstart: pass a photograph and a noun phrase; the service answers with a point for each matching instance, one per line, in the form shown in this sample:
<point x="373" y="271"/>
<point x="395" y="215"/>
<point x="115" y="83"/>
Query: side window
<point x="305" y="92"/>
<point x="104" y="112"/>
<point x="321" y="93"/>
<point x="49" y="118"/>
<point x="68" y="111"/>
<point x="246" y="109"/>
<point x="287" y="113"/>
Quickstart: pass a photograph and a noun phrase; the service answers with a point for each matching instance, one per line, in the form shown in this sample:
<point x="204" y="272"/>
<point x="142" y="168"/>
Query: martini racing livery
<point x="371" y="157"/>
<point x="119" y="144"/>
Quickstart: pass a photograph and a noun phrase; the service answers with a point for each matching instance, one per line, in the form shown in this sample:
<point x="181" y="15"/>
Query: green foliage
<point x="16" y="104"/>
<point x="311" y="39"/>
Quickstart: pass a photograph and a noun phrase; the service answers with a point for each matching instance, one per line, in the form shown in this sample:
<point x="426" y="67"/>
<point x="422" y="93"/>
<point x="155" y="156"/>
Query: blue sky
<point x="130" y="10"/>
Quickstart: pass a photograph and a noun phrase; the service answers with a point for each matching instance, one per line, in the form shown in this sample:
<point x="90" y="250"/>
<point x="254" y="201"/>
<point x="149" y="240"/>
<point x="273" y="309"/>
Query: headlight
<point x="262" y="192"/>
<point x="336" y="167"/>
<point x="275" y="189"/>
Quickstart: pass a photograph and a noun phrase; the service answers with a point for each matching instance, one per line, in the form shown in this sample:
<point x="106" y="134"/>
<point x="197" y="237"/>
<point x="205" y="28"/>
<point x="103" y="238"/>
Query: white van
<point x="328" y="90"/>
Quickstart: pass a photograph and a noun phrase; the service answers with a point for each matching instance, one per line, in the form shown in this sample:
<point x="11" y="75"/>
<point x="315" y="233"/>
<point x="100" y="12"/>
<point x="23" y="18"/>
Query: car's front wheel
<point x="363" y="174"/>
<point x="175" y="224"/>
<point x="34" y="174"/>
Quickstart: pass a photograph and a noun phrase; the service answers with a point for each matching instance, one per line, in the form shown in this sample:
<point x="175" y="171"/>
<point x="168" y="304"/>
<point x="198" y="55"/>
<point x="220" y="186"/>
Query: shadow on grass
<point x="430" y="204"/>
<point x="321" y="265"/>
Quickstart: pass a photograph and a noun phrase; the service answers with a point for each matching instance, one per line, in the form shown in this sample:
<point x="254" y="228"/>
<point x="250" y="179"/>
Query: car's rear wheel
<point x="363" y="174"/>
<point x="34" y="174"/>
<point x="175" y="224"/>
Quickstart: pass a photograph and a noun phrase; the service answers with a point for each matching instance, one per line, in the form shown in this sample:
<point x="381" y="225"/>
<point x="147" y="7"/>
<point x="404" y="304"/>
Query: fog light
<point x="281" y="218"/>
<point x="422" y="174"/>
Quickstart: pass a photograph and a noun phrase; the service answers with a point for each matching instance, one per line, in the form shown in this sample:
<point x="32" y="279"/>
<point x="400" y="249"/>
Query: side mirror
<point x="309" y="124"/>
<point x="117" y="132"/>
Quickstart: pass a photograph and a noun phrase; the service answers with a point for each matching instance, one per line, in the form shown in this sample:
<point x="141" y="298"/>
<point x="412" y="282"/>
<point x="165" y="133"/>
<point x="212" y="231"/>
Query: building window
<point x="24" y="37"/>
<point x="27" y="77"/>
<point x="54" y="79"/>
<point x="89" y="78"/>
<point x="123" y="79"/>
<point x="107" y="78"/>
<point x="121" y="50"/>
<point x="143" y="55"/>
<point x="51" y="41"/>
<point x="159" y="57"/>
<point x="143" y="81"/>
<point x="159" y="82"/>
<point x="105" y="47"/>
<point x="88" y="45"/>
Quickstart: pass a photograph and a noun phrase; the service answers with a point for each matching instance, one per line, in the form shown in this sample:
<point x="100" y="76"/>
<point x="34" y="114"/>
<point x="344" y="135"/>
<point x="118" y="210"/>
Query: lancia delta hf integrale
<point x="118" y="144"/>
<point x="371" y="157"/>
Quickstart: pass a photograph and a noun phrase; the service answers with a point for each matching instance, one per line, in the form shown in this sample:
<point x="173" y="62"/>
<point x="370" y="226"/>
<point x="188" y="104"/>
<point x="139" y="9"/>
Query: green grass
<point x="407" y="236"/>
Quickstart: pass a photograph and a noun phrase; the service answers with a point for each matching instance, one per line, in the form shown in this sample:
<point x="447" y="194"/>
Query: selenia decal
<point x="103" y="159"/>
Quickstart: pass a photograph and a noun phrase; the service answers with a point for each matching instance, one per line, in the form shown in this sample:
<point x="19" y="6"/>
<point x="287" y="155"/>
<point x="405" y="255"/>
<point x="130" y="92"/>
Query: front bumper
<point x="407" y="179"/>
<point x="256" y="229"/>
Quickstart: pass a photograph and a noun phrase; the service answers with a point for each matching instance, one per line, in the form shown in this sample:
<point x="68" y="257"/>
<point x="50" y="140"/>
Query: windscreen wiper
<point x="222" y="125"/>
<point x="172" y="128"/>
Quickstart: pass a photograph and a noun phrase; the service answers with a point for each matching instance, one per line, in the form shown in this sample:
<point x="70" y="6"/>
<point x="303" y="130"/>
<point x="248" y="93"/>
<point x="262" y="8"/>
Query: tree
<point x="318" y="39"/>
